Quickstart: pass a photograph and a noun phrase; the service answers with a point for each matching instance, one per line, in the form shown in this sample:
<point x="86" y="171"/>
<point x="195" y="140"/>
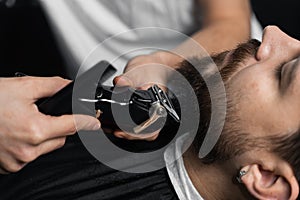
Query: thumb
<point x="122" y="81"/>
<point x="86" y="122"/>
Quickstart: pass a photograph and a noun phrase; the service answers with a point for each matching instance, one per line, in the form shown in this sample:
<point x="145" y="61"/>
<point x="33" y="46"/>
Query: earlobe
<point x="265" y="184"/>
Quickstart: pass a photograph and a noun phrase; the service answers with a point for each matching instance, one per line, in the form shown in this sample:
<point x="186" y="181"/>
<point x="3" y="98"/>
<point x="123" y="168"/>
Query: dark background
<point x="27" y="44"/>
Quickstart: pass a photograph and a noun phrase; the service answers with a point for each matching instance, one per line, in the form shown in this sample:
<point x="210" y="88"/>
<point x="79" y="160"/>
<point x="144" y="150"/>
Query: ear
<point x="266" y="184"/>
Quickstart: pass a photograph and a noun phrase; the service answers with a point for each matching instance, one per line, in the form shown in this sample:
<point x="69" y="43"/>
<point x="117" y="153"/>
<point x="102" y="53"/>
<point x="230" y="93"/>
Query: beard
<point x="232" y="141"/>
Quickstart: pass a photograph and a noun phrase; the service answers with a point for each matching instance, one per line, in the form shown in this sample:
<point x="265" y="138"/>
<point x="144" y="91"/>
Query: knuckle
<point x="13" y="167"/>
<point x="58" y="79"/>
<point x="137" y="60"/>
<point x="34" y="133"/>
<point x="35" y="139"/>
<point x="72" y="129"/>
<point x="70" y="124"/>
<point x="61" y="143"/>
<point x="26" y="155"/>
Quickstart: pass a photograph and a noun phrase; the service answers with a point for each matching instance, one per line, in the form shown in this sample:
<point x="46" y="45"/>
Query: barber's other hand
<point x="142" y="72"/>
<point x="25" y="133"/>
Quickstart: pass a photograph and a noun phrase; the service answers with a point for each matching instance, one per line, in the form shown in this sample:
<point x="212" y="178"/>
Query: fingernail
<point x="123" y="80"/>
<point x="96" y="126"/>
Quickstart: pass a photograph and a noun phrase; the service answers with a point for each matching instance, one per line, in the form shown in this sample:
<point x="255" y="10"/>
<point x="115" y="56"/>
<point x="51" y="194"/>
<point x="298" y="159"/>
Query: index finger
<point x="67" y="125"/>
<point x="39" y="87"/>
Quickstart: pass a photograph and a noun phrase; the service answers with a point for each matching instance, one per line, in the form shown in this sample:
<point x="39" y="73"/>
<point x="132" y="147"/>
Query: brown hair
<point x="194" y="71"/>
<point x="288" y="148"/>
<point x="229" y="144"/>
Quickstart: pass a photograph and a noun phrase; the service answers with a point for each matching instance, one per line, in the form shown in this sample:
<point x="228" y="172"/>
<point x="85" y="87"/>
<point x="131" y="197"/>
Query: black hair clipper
<point x="125" y="108"/>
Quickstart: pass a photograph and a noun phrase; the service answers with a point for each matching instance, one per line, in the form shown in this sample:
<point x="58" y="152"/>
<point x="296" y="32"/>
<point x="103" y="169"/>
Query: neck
<point x="212" y="181"/>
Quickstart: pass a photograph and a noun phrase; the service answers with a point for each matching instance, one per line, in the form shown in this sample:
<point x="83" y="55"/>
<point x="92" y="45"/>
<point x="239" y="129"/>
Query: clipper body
<point x="125" y="108"/>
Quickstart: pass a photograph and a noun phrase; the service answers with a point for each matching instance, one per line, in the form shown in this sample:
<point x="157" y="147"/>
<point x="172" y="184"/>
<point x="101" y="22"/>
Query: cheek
<point x="260" y="114"/>
<point x="254" y="103"/>
<point x="291" y="111"/>
<point x="253" y="89"/>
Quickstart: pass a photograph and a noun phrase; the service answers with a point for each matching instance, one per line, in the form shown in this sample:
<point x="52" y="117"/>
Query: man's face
<point x="268" y="87"/>
<point x="261" y="131"/>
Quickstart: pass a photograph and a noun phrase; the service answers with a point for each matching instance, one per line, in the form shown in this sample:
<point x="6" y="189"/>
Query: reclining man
<point x="258" y="145"/>
<point x="261" y="134"/>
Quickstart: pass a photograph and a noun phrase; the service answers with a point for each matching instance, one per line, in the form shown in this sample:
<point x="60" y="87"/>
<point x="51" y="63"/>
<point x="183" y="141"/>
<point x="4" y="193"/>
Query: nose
<point x="278" y="46"/>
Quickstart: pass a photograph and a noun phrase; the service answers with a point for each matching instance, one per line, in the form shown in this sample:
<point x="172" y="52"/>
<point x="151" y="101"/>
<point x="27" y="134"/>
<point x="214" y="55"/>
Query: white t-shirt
<point x="82" y="25"/>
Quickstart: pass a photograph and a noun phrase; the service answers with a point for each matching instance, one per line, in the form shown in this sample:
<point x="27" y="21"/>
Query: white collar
<point x="177" y="172"/>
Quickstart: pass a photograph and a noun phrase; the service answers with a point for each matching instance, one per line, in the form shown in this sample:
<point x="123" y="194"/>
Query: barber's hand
<point x="142" y="72"/>
<point x="25" y="133"/>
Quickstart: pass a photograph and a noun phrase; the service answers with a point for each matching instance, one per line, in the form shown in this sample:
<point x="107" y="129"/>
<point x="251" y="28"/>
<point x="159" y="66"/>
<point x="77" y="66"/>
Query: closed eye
<point x="278" y="72"/>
